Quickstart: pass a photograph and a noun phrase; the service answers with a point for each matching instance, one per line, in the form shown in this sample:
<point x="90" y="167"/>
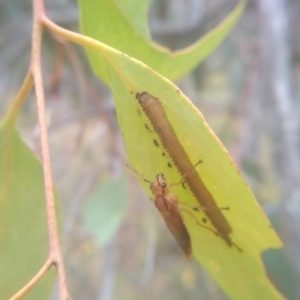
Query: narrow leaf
<point x="237" y="272"/>
<point x="121" y="24"/>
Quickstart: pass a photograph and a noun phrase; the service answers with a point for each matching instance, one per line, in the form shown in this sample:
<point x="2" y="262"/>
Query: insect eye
<point x="163" y="185"/>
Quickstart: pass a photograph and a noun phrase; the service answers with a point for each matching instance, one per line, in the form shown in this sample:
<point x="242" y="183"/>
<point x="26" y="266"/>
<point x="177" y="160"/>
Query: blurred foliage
<point x="281" y="272"/>
<point x="105" y="209"/>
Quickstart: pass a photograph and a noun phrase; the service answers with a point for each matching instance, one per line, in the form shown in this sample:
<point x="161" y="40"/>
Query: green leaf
<point x="252" y="231"/>
<point x="104" y="210"/>
<point x="137" y="21"/>
<point x="23" y="222"/>
<point x="122" y="25"/>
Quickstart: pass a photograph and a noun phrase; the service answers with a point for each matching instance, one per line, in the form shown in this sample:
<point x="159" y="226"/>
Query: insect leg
<point x="182" y="180"/>
<point x="197" y="222"/>
<point x="201" y="208"/>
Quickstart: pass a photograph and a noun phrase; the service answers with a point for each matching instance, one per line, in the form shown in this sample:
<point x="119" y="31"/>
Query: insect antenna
<point x="139" y="174"/>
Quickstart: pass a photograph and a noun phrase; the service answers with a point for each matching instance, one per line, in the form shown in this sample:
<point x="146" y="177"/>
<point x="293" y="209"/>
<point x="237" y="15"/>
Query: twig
<point x="55" y="256"/>
<point x="54" y="245"/>
<point x="28" y="287"/>
<point x="35" y="76"/>
<point x="74" y="37"/>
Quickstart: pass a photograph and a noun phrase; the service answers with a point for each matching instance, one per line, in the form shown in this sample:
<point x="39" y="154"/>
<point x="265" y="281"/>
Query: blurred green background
<point x="115" y="243"/>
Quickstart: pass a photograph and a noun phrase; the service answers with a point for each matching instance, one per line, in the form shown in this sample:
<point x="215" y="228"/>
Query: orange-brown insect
<point x="168" y="206"/>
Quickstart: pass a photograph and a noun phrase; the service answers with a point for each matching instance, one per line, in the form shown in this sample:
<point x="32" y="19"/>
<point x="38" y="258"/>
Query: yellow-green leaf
<point x="122" y="25"/>
<point x="137" y="21"/>
<point x="240" y="274"/>
<point x="23" y="223"/>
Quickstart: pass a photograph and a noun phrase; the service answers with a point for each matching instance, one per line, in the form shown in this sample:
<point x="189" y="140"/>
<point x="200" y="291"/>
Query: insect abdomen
<point x="173" y="218"/>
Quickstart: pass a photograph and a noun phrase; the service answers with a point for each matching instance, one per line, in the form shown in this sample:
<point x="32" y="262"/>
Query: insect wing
<point x="173" y="218"/>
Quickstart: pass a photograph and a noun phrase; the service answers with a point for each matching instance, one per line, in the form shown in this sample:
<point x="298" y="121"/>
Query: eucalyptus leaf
<point x="122" y="24"/>
<point x="238" y="273"/>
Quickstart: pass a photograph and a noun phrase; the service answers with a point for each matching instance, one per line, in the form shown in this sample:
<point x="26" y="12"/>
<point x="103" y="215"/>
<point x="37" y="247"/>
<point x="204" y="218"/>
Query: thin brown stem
<point x="35" y="76"/>
<point x="28" y="287"/>
<point x="74" y="37"/>
<point x="54" y="244"/>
